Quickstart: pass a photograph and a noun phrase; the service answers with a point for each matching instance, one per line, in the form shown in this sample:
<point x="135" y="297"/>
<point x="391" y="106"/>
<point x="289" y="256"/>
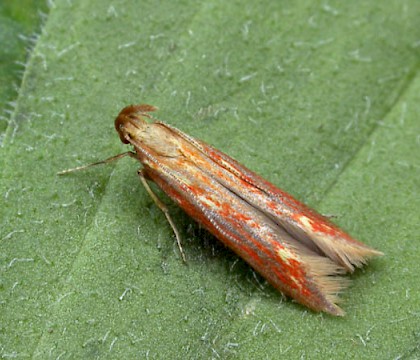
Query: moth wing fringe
<point x="349" y="254"/>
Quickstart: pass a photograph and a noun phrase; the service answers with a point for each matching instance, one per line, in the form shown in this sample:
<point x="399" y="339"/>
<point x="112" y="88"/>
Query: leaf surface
<point x="320" y="98"/>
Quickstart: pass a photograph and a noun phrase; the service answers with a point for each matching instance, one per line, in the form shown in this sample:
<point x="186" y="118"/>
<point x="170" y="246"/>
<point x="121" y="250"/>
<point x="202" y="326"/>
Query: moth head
<point x="131" y="117"/>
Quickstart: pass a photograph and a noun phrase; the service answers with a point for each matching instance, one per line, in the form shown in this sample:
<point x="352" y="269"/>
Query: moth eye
<point x="124" y="135"/>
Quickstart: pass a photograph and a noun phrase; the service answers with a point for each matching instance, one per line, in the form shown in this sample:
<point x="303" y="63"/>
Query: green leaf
<point x="18" y="22"/>
<point x="321" y="98"/>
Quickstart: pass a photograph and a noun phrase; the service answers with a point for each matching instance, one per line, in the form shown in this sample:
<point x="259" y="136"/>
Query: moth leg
<point x="162" y="206"/>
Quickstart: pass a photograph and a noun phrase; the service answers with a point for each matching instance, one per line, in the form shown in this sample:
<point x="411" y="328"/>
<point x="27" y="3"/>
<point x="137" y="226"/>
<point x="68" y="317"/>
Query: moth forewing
<point x="306" y="225"/>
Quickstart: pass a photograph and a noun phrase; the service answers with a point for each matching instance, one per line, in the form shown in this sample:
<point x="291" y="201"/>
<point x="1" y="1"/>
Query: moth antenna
<point x="106" y="161"/>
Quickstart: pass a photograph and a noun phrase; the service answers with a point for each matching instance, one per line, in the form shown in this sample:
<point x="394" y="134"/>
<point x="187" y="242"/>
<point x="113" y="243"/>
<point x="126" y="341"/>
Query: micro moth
<point x="298" y="251"/>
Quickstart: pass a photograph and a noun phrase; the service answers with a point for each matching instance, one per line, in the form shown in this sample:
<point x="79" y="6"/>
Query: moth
<point x="298" y="251"/>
